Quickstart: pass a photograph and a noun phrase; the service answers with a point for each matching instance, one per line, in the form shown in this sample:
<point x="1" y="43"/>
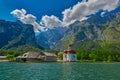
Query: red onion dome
<point x="69" y="50"/>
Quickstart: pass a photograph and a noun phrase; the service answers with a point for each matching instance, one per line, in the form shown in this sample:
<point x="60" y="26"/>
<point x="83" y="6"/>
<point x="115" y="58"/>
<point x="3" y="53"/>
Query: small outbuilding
<point x="3" y="58"/>
<point x="69" y="54"/>
<point x="49" y="57"/>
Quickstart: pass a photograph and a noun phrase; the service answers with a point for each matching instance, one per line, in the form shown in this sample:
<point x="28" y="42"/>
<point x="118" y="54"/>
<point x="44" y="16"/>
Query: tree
<point x="60" y="56"/>
<point x="78" y="52"/>
<point x="10" y="57"/>
<point x="109" y="58"/>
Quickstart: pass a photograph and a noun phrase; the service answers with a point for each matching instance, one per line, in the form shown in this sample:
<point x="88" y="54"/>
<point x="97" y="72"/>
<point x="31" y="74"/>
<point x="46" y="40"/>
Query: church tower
<point x="69" y="55"/>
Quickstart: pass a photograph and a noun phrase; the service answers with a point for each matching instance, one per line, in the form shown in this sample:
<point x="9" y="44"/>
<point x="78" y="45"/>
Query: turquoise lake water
<point x="59" y="71"/>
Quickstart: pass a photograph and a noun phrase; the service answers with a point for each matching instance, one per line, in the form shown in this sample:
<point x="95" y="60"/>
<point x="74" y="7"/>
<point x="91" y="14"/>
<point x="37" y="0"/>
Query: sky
<point x="48" y="14"/>
<point x="38" y="8"/>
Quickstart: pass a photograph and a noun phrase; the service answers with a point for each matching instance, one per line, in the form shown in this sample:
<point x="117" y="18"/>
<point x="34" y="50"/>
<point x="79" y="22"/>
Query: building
<point x="69" y="55"/>
<point x="49" y="57"/>
<point x="37" y="57"/>
<point x="3" y="58"/>
<point x="30" y="57"/>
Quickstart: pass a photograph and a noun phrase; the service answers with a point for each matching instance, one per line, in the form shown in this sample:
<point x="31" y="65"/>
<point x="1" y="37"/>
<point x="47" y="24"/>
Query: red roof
<point x="69" y="50"/>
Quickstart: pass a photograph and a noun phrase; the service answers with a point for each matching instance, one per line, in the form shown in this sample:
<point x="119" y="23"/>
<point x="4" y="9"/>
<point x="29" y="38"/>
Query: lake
<point x="59" y="71"/>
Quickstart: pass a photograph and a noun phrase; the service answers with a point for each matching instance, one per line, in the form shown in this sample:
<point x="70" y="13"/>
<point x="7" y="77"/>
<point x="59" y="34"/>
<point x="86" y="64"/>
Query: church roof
<point x="69" y="50"/>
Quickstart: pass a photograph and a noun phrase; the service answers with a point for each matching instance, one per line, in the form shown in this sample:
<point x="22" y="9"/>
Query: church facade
<point x="69" y="55"/>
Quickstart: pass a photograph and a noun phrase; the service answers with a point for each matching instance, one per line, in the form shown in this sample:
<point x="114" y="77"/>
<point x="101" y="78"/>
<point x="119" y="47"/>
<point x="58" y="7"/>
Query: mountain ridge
<point x="16" y="35"/>
<point x="95" y="33"/>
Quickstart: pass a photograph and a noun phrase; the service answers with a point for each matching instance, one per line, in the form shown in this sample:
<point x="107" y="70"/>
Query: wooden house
<point x="3" y="58"/>
<point x="30" y="57"/>
<point x="37" y="57"/>
<point x="49" y="57"/>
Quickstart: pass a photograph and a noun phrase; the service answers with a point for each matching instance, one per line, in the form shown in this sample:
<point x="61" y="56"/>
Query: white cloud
<point x="79" y="11"/>
<point x="27" y="19"/>
<point x="51" y="21"/>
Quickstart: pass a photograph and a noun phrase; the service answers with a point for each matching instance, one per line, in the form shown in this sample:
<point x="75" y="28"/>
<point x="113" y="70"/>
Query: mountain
<point x="95" y="33"/>
<point x="16" y="35"/>
<point x="48" y="38"/>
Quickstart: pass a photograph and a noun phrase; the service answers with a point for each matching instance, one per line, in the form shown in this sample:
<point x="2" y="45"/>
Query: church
<point x="69" y="55"/>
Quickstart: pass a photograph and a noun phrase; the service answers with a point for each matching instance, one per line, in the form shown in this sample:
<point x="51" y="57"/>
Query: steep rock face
<point x="95" y="33"/>
<point x="48" y="38"/>
<point x="15" y="35"/>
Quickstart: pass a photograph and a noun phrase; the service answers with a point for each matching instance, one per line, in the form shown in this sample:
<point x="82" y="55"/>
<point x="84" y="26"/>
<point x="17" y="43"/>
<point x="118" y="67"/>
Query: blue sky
<point x="55" y="13"/>
<point x="38" y="8"/>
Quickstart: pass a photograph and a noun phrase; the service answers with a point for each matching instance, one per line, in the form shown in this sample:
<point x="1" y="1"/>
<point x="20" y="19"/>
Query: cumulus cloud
<point x="27" y="19"/>
<point x="82" y="9"/>
<point x="78" y="12"/>
<point x="51" y="21"/>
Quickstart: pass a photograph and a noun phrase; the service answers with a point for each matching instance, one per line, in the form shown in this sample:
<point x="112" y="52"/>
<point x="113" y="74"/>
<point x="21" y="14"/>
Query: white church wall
<point x="69" y="57"/>
<point x="64" y="57"/>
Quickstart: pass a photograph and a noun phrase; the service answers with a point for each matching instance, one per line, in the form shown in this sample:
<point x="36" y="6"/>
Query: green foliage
<point x="99" y="55"/>
<point x="60" y="56"/>
<point x="82" y="55"/>
<point x="11" y="57"/>
<point x="12" y="52"/>
<point x="109" y="58"/>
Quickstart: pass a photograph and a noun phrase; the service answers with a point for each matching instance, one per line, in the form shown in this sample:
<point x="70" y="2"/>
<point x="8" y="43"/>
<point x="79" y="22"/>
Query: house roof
<point x="2" y="56"/>
<point x="36" y="55"/>
<point x="30" y="55"/>
<point x="49" y="54"/>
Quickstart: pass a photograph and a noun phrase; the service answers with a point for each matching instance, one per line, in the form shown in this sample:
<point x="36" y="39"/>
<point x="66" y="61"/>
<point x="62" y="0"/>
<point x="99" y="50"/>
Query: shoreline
<point x="4" y="60"/>
<point x="89" y="62"/>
